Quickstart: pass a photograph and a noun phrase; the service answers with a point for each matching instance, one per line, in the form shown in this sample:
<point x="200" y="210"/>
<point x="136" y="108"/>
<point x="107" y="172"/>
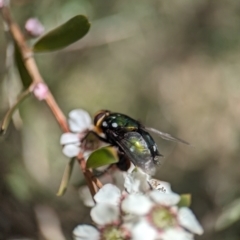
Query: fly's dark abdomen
<point x="151" y="145"/>
<point x="124" y="163"/>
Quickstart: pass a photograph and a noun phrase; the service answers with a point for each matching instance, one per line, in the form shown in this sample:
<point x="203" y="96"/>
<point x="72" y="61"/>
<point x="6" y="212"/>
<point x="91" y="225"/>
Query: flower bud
<point x="40" y="91"/>
<point x="34" y="27"/>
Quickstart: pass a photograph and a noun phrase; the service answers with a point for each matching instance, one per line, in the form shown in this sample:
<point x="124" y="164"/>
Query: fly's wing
<point x="166" y="136"/>
<point x="136" y="149"/>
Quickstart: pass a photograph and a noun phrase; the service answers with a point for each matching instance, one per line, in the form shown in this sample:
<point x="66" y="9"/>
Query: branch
<point x="93" y="183"/>
<point x="31" y="66"/>
<point x="36" y="77"/>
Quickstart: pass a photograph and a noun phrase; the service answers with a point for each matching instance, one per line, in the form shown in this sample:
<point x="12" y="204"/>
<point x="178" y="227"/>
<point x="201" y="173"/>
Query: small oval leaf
<point x="101" y="157"/>
<point x="185" y="200"/>
<point x="66" y="176"/>
<point x="64" y="35"/>
<point x="7" y="118"/>
<point x="25" y="77"/>
<point x="229" y="216"/>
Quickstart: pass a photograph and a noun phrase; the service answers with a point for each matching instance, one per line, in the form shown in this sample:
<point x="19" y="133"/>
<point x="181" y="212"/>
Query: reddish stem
<point x="31" y="67"/>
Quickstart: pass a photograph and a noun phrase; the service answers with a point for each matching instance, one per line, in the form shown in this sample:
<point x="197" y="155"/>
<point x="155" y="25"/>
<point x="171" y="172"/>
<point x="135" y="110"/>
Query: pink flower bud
<point x="34" y="27"/>
<point x="40" y="91"/>
<point x="1" y="3"/>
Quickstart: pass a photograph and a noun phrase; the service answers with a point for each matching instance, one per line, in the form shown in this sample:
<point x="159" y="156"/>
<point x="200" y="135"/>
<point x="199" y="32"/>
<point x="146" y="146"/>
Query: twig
<point x="93" y="183"/>
<point x="31" y="66"/>
<point x="33" y="71"/>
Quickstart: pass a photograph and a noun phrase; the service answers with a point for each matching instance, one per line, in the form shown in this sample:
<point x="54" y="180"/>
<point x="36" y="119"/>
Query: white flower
<point x="71" y="144"/>
<point x="109" y="193"/>
<point x="159" y="216"/>
<point x="166" y="199"/>
<point x="136" y="204"/>
<point x="153" y="216"/>
<point x="136" y="181"/>
<point x="79" y="121"/>
<point x="85" y="232"/>
<point x="106" y="210"/>
<point x="104" y="214"/>
<point x="188" y="220"/>
<point x="144" y="231"/>
<point x="176" y="234"/>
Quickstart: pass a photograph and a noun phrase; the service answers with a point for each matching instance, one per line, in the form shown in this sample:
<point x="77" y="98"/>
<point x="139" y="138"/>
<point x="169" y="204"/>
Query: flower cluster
<point x="152" y="215"/>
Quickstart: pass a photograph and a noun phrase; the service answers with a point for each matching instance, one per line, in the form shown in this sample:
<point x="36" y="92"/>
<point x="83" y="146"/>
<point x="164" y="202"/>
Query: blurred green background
<point x="174" y="65"/>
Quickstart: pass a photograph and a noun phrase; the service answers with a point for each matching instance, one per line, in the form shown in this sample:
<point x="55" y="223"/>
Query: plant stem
<point x="36" y="77"/>
<point x="31" y="66"/>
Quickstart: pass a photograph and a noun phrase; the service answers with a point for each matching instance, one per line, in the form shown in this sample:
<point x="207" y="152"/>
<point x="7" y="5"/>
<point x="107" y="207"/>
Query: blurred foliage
<point x="174" y="65"/>
<point x="66" y="177"/>
<point x="229" y="216"/>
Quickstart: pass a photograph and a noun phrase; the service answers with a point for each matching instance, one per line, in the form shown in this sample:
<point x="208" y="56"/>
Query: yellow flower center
<point x="163" y="218"/>
<point x="112" y="233"/>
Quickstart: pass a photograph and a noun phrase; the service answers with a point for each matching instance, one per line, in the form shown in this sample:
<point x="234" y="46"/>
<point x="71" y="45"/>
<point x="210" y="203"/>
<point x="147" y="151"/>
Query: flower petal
<point x="176" y="234"/>
<point x="85" y="232"/>
<point x="86" y="196"/>
<point x="109" y="193"/>
<point x="68" y="138"/>
<point x="104" y="213"/>
<point x="188" y="220"/>
<point x="143" y="230"/>
<point x="136" y="181"/>
<point x="167" y="199"/>
<point x="79" y="120"/>
<point x="71" y="150"/>
<point x="136" y="204"/>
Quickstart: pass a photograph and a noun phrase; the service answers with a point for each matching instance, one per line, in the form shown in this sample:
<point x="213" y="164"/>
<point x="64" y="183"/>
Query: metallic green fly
<point x="133" y="140"/>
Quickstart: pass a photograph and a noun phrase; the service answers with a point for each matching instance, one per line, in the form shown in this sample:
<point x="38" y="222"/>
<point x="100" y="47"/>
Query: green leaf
<point x="185" y="200"/>
<point x="66" y="177"/>
<point x="10" y="112"/>
<point x="25" y="77"/>
<point x="101" y="157"/>
<point x="229" y="216"/>
<point x="64" y="35"/>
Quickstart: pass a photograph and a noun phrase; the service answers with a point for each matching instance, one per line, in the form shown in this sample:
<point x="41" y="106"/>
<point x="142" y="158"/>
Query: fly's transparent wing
<point x="135" y="147"/>
<point x="166" y="136"/>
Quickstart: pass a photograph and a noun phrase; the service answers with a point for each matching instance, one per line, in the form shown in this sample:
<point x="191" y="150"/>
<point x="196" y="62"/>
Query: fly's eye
<point x="100" y="116"/>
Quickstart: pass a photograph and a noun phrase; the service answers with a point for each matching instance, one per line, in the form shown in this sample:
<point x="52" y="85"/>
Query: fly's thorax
<point x="120" y="123"/>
